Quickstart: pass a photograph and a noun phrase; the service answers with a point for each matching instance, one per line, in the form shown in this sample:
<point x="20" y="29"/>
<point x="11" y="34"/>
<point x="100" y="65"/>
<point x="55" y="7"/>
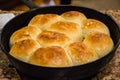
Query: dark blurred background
<point x="95" y="4"/>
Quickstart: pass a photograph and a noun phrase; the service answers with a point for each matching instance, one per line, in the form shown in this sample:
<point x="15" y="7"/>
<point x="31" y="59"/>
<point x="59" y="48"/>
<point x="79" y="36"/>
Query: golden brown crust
<point x="24" y="49"/>
<point x="53" y="56"/>
<point x="74" y="16"/>
<point x="44" y="20"/>
<point x="81" y="54"/>
<point x="100" y="42"/>
<point x="27" y="32"/>
<point x="65" y="26"/>
<point x="93" y="25"/>
<point x="64" y="40"/>
<point x="47" y="38"/>
<point x="71" y="29"/>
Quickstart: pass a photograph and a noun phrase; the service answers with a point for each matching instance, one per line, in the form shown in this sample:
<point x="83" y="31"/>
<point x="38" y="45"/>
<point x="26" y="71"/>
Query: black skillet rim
<point x="34" y="10"/>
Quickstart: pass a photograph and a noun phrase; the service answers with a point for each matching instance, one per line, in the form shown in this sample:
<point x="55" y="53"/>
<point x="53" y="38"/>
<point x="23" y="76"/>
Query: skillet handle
<point x="29" y="3"/>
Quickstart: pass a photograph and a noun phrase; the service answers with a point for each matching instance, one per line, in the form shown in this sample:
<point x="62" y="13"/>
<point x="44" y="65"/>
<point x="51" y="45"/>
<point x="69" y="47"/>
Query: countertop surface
<point x="110" y="72"/>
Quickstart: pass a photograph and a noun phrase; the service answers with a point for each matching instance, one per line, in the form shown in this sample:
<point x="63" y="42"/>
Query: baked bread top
<point x="64" y="40"/>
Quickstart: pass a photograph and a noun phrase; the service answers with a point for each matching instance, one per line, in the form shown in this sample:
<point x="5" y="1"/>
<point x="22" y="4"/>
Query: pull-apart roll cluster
<point x="64" y="40"/>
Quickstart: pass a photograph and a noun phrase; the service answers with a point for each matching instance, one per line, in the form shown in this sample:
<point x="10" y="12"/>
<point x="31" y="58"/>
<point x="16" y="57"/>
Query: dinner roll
<point x="93" y="25"/>
<point x="24" y="49"/>
<point x="74" y="16"/>
<point x="26" y="32"/>
<point x="71" y="29"/>
<point x="63" y="40"/>
<point x="53" y="56"/>
<point x="44" y="20"/>
<point x="48" y="38"/>
<point x="81" y="54"/>
<point x="100" y="42"/>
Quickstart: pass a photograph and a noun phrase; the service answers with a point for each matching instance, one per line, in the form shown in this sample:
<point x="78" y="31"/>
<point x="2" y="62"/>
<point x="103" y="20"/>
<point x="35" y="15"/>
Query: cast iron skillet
<point x="65" y="73"/>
